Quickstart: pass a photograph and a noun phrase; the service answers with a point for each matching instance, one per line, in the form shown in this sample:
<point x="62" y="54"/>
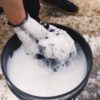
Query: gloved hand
<point x="29" y="32"/>
<point x="38" y="40"/>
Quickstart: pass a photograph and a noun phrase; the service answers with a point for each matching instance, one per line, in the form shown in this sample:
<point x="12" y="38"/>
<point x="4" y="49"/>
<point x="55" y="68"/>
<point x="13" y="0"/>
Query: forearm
<point x="14" y="11"/>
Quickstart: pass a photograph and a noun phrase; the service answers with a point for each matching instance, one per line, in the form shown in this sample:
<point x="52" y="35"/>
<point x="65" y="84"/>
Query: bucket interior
<point x="15" y="43"/>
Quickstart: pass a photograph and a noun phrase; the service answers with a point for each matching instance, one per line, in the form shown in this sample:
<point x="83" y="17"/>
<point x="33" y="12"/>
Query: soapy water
<point x="34" y="77"/>
<point x="42" y="76"/>
<point x="55" y="65"/>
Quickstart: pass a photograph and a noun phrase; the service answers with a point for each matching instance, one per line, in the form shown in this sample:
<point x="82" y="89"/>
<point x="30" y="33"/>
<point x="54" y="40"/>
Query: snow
<point x="94" y="42"/>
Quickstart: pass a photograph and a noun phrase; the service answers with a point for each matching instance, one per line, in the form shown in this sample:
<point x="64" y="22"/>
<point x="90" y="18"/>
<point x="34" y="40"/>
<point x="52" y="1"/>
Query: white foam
<point x="94" y="42"/>
<point x="59" y="44"/>
<point x="34" y="77"/>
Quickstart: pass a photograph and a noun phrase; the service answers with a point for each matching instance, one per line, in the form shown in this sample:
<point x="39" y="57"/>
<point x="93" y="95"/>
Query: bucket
<point x="15" y="43"/>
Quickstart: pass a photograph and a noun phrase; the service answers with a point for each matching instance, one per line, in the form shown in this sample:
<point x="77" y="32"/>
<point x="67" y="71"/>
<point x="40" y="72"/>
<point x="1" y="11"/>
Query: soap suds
<point x="34" y="77"/>
<point x="57" y="46"/>
<point x="48" y="76"/>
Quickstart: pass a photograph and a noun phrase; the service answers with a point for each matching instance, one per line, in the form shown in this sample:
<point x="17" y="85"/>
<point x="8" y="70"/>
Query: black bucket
<point x="14" y="43"/>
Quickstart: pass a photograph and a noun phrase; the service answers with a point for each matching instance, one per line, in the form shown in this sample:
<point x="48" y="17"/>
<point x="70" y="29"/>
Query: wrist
<point x="19" y="21"/>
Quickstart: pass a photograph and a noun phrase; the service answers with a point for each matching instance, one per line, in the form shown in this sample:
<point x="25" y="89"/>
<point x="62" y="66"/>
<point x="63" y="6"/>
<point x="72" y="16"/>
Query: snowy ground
<point x="86" y="22"/>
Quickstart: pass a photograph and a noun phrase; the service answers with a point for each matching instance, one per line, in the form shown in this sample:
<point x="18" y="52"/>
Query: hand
<point x="34" y="28"/>
<point x="38" y="40"/>
<point x="29" y="33"/>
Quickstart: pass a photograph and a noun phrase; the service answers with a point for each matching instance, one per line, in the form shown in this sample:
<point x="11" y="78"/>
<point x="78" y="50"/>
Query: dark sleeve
<point x="32" y="7"/>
